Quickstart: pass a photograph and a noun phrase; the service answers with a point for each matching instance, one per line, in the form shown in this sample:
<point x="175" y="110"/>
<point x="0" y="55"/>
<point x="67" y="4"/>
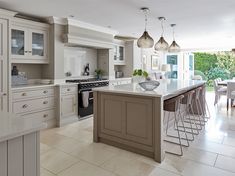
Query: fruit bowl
<point x="149" y="85"/>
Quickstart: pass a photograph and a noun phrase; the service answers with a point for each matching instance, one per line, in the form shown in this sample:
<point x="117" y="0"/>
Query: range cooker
<point x="85" y="94"/>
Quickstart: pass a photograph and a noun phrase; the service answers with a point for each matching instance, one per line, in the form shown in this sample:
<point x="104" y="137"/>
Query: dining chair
<point x="230" y="93"/>
<point x="219" y="91"/>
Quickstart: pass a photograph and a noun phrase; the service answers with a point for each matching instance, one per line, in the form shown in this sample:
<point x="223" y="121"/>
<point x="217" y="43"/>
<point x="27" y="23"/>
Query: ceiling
<point x="201" y="24"/>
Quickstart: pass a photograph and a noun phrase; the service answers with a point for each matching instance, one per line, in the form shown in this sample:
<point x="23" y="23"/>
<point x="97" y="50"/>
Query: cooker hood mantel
<point x="78" y="33"/>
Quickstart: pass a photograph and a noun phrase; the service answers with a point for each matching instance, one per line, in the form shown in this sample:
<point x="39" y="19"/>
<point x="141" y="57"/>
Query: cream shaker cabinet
<point x="29" y="43"/>
<point x="3" y="65"/>
<point x="36" y="103"/>
<point x="68" y="104"/>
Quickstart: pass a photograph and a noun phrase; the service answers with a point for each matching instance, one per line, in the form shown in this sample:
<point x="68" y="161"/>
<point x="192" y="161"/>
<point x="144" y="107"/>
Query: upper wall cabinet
<point x="119" y="57"/>
<point x="29" y="44"/>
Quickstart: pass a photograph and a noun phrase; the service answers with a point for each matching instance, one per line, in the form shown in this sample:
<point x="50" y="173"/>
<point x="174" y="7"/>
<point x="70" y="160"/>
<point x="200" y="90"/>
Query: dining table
<point x="225" y="82"/>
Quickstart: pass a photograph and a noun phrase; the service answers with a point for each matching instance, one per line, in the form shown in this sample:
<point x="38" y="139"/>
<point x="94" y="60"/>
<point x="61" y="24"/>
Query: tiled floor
<point x="69" y="151"/>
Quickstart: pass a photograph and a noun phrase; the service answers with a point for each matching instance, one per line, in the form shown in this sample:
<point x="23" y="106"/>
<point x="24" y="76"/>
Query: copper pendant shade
<point x="145" y="41"/>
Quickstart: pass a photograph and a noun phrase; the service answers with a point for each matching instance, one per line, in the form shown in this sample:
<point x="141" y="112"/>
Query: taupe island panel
<point x="132" y="121"/>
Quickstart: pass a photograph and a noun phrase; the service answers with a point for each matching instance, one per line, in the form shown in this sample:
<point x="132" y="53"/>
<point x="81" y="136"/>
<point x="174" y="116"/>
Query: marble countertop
<point x="167" y="89"/>
<point x="12" y="126"/>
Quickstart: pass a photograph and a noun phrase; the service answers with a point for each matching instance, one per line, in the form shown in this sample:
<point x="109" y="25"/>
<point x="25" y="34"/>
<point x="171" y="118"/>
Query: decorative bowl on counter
<point x="149" y="85"/>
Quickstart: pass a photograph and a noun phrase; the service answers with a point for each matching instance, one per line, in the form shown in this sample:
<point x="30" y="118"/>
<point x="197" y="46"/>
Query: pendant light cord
<point x="173" y="33"/>
<point x="162" y="27"/>
<point x="146" y="20"/>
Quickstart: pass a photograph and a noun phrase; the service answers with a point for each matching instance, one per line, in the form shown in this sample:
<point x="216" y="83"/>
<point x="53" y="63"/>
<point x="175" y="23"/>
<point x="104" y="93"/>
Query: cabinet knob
<point x="25" y="106"/>
<point x="68" y="90"/>
<point x="45" y="102"/>
<point x="45" y="115"/>
<point x="30" y="51"/>
<point x="3" y="94"/>
<point x="25" y="51"/>
<point x="45" y="91"/>
<point x="24" y="94"/>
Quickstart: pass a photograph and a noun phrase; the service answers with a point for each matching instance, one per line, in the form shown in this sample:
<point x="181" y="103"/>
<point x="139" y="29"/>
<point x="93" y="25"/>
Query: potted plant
<point x="139" y="75"/>
<point x="99" y="73"/>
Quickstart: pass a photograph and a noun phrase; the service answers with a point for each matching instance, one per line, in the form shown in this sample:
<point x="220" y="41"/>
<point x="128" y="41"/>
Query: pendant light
<point x="161" y="45"/>
<point x="174" y="47"/>
<point x="145" y="41"/>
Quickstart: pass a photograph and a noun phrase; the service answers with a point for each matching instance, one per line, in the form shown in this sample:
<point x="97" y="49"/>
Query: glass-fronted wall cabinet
<point x="119" y="57"/>
<point x="29" y="45"/>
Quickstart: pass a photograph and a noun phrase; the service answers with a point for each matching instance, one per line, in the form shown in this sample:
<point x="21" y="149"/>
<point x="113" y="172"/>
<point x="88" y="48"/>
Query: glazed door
<point x="19" y="48"/>
<point x="38" y="44"/>
<point x="3" y="65"/>
<point x="173" y="60"/>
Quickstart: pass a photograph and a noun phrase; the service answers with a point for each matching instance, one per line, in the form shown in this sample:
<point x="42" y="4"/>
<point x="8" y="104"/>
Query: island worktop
<point x="130" y="118"/>
<point x="19" y="145"/>
<point x="166" y="89"/>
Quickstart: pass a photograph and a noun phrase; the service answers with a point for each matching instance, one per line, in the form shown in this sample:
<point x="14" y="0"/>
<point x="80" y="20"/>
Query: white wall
<point x="75" y="58"/>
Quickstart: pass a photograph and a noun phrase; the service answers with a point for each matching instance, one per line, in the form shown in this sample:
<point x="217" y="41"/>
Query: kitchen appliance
<point x="84" y="86"/>
<point x="118" y="74"/>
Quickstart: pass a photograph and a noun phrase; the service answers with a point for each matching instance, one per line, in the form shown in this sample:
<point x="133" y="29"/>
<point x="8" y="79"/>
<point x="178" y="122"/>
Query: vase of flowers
<point x="99" y="73"/>
<point x="139" y="75"/>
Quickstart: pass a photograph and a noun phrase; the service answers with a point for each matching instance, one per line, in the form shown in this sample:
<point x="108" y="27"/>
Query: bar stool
<point x="188" y="114"/>
<point x="207" y="113"/>
<point x="199" y="110"/>
<point x="173" y="106"/>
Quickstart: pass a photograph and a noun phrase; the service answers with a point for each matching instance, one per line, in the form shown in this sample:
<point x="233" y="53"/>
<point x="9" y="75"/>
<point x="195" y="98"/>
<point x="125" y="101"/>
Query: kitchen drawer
<point x="69" y="89"/>
<point x="32" y="105"/>
<point x="33" y="93"/>
<point x="42" y="116"/>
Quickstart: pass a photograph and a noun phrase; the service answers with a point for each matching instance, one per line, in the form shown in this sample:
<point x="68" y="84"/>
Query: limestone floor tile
<point x="95" y="154"/>
<point x="53" y="140"/>
<point x="161" y="172"/>
<point x="85" y="169"/>
<point x="68" y="145"/>
<point x="226" y="163"/>
<point x="124" y="166"/>
<point x="55" y="161"/>
<point x="80" y="135"/>
<point x="44" y="148"/>
<point x="215" y="148"/>
<point x="201" y="156"/>
<point x="196" y="169"/>
<point x="44" y="172"/>
<point x="229" y="141"/>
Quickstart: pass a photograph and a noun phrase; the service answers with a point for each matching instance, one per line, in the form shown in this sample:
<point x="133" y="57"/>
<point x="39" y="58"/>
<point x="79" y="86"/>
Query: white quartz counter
<point x="12" y="126"/>
<point x="166" y="89"/>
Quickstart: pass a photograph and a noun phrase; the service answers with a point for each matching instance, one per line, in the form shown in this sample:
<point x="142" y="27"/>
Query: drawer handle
<point x="25" y="106"/>
<point x="45" y="102"/>
<point x="68" y="89"/>
<point x="45" y="91"/>
<point x="45" y="115"/>
<point x="24" y="94"/>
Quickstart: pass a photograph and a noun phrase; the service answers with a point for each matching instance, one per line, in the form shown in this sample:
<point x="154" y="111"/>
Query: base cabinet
<point x="129" y="118"/>
<point x="20" y="156"/>
<point x="36" y="103"/>
<point x="67" y="107"/>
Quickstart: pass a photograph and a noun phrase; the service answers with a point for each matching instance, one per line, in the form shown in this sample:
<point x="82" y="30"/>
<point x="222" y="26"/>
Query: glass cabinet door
<point x="18" y="42"/>
<point x="38" y="40"/>
<point x="121" y="53"/>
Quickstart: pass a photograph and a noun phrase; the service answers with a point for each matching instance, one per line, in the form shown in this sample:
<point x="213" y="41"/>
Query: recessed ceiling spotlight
<point x="71" y="16"/>
<point x="109" y="26"/>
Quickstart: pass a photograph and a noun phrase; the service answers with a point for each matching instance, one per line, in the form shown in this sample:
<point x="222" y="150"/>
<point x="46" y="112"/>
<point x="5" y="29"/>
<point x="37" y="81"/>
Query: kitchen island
<point x="130" y="118"/>
<point x="19" y="145"/>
